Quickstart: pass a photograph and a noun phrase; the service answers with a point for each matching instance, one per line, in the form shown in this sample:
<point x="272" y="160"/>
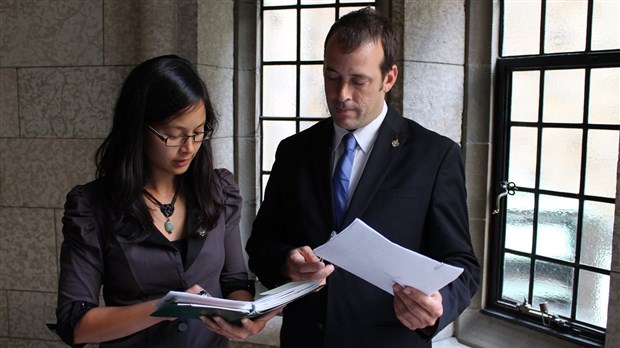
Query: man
<point x="406" y="182"/>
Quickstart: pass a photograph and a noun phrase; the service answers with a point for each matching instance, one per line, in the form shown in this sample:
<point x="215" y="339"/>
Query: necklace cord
<point x="166" y="209"/>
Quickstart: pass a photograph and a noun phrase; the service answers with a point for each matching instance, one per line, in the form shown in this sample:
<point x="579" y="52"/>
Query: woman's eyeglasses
<point x="173" y="141"/>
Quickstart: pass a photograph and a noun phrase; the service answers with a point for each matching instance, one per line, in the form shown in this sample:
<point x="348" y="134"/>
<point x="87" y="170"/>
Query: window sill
<point x="535" y="324"/>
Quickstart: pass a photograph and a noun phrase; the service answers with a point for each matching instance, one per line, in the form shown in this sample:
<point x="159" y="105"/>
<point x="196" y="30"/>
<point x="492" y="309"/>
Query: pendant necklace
<point x="166" y="209"/>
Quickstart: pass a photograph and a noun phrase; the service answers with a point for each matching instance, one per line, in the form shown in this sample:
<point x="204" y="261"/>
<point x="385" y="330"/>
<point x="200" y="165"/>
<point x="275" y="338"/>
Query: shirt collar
<point x="364" y="136"/>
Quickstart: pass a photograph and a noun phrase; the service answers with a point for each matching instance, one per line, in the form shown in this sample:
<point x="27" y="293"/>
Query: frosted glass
<point x="525" y="87"/>
<point x="303" y="125"/>
<point x="521" y="27"/>
<point x="553" y="284"/>
<point x="597" y="232"/>
<point x="344" y="10"/>
<point x="593" y="298"/>
<point x="267" y="3"/>
<point x="523" y="149"/>
<point x="317" y="2"/>
<point x="516" y="277"/>
<point x="279" y="35"/>
<point x="561" y="159"/>
<point x="604" y="107"/>
<point x="557" y="227"/>
<point x="565" y="26"/>
<point x="312" y="92"/>
<point x="273" y="133"/>
<point x="279" y="86"/>
<point x="601" y="163"/>
<point x="563" y="96"/>
<point x="605" y="27"/>
<point x="520" y="222"/>
<point x="265" y="181"/>
<point x="315" y="24"/>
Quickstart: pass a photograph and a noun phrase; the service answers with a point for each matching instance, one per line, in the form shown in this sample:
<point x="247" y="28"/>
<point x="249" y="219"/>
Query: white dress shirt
<point x="365" y="138"/>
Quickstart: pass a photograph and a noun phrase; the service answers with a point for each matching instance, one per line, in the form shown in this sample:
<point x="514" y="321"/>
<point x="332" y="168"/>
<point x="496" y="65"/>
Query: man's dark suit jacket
<point x="412" y="191"/>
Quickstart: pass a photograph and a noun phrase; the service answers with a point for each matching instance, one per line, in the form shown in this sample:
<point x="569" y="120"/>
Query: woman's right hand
<point x="247" y="328"/>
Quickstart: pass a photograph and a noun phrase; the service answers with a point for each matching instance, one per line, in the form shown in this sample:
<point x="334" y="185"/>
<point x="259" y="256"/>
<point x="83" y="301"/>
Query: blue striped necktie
<point x="342" y="176"/>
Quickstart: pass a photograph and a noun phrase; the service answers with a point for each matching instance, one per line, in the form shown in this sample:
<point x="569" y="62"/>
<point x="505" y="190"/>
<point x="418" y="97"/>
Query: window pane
<point x="604" y="105"/>
<point x="279" y="2"/>
<point x="605" y="29"/>
<point x="303" y="125"/>
<point x="317" y="2"/>
<point x="565" y="23"/>
<point x="598" y="227"/>
<point x="516" y="277"/>
<point x="557" y="227"/>
<point x="601" y="163"/>
<point x="523" y="145"/>
<point x="593" y="298"/>
<point x="315" y="24"/>
<point x="563" y="96"/>
<point x="265" y="180"/>
<point x="523" y="38"/>
<point x="312" y="92"/>
<point x="524" y="104"/>
<point x="520" y="222"/>
<point x="553" y="284"/>
<point x="280" y="35"/>
<point x="345" y="10"/>
<point x="273" y="133"/>
<point x="279" y="90"/>
<point x="561" y="159"/>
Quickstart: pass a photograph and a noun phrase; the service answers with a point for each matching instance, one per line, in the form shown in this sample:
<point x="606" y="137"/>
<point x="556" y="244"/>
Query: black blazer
<point x="97" y="254"/>
<point x="412" y="191"/>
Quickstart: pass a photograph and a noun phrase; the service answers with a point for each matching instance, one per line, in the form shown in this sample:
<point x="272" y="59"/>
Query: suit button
<point x="182" y="327"/>
<point x="320" y="326"/>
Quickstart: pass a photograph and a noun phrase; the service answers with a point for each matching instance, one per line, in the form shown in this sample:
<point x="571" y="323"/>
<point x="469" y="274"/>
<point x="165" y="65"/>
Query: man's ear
<point x="390" y="79"/>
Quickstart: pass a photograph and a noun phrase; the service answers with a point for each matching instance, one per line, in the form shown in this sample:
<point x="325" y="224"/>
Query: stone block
<point x="9" y="112"/>
<point x="436" y="30"/>
<point x="51" y="33"/>
<point x="28" y="245"/>
<point x="68" y="102"/>
<point x="435" y="92"/>
<point x="40" y="172"/>
<point x="216" y="31"/>
<point x="219" y="83"/>
<point x="30" y="312"/>
<point x="121" y="29"/>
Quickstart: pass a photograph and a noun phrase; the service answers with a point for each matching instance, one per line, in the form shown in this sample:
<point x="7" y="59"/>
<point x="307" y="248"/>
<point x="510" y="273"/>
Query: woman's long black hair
<point x="155" y="91"/>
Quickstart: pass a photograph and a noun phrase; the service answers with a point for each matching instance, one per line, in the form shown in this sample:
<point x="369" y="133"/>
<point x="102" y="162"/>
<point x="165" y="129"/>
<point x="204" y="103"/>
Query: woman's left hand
<point x="247" y="328"/>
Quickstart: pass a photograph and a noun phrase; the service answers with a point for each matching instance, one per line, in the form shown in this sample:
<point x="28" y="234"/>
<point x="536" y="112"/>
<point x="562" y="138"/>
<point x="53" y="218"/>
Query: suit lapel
<point x="389" y="141"/>
<point x="321" y="170"/>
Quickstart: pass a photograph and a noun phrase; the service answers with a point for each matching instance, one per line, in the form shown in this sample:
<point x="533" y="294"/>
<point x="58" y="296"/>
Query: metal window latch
<point x="548" y="319"/>
<point x="508" y="188"/>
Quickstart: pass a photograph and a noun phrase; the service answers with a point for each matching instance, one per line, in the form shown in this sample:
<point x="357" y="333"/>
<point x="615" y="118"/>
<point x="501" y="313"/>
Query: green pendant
<point x="169" y="226"/>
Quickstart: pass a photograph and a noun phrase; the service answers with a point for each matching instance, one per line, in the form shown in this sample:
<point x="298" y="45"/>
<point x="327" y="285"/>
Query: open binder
<point x="176" y="304"/>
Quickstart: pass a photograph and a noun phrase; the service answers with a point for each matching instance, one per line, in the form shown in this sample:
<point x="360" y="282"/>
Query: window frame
<point x="263" y="173"/>
<point x="574" y="331"/>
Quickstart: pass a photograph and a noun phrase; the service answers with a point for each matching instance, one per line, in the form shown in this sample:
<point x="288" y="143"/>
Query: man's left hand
<point x="415" y="309"/>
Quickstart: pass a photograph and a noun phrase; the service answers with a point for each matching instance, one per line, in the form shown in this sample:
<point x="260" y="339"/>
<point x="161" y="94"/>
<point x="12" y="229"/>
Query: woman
<point x="157" y="218"/>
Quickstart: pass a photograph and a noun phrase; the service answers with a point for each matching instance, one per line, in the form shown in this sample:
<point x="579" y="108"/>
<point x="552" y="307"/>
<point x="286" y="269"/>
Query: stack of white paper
<point x="364" y="252"/>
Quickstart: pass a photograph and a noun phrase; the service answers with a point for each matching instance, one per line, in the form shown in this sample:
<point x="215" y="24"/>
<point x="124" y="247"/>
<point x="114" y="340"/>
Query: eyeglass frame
<point x="208" y="133"/>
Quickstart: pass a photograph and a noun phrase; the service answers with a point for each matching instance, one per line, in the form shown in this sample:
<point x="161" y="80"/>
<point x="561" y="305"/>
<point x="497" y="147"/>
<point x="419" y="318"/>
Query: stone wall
<point x="62" y="62"/>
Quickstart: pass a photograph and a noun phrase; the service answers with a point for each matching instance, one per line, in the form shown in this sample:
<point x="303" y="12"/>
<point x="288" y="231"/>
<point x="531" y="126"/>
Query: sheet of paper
<point x="364" y="252"/>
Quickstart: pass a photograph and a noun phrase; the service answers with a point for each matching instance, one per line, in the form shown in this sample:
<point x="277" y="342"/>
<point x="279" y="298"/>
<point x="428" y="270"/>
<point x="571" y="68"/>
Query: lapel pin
<point x="395" y="143"/>
<point x="202" y="232"/>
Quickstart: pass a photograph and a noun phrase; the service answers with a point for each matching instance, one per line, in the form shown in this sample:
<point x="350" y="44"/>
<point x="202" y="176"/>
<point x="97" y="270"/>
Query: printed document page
<point x="364" y="252"/>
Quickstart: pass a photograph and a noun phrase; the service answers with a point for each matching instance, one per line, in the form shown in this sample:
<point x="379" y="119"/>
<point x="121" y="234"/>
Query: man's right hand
<point x="303" y="264"/>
